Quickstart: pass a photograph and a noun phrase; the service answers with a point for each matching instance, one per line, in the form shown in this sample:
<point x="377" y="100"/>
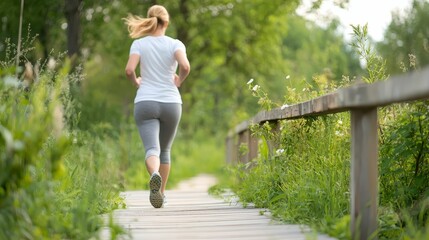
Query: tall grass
<point x="55" y="179"/>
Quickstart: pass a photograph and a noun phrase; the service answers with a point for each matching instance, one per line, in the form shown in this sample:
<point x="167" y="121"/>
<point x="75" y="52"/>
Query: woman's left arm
<point x="133" y="60"/>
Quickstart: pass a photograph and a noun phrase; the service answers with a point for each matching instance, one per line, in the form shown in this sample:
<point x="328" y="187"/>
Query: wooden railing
<point x="361" y="101"/>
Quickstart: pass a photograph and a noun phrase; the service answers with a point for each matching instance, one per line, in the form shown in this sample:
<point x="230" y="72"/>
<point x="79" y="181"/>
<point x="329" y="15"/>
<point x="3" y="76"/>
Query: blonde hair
<point x="138" y="27"/>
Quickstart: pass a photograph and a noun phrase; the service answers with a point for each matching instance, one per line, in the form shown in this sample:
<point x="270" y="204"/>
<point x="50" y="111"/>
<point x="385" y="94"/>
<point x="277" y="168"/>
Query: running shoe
<point x="155" y="197"/>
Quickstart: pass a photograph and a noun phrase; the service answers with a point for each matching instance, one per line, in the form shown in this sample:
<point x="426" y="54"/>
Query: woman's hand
<point x="137" y="81"/>
<point x="177" y="81"/>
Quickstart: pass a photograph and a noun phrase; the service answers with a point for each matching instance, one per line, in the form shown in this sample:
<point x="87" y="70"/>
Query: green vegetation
<point x="302" y="172"/>
<point x="406" y="40"/>
<point x="54" y="179"/>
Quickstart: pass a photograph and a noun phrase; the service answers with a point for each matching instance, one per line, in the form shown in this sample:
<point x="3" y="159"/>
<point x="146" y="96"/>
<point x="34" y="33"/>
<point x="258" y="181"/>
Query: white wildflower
<point x="288" y="76"/>
<point x="340" y="122"/>
<point x="51" y="63"/>
<point x="339" y="134"/>
<point x="280" y="151"/>
<point x="284" y="106"/>
<point x="250" y="81"/>
<point x="255" y="88"/>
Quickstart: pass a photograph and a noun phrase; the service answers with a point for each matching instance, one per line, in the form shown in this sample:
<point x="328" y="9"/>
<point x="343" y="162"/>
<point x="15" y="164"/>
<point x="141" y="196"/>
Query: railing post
<point x="253" y="147"/>
<point x="364" y="173"/>
<point x="242" y="142"/>
<point x="246" y="138"/>
<point x="231" y="149"/>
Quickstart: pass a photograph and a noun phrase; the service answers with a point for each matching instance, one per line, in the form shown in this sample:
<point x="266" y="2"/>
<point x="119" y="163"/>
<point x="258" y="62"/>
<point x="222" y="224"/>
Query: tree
<point x="406" y="39"/>
<point x="40" y="17"/>
<point x="312" y="50"/>
<point x="72" y="13"/>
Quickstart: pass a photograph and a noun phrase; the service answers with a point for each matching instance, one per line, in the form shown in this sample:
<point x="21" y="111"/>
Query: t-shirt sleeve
<point x="179" y="46"/>
<point x="134" y="48"/>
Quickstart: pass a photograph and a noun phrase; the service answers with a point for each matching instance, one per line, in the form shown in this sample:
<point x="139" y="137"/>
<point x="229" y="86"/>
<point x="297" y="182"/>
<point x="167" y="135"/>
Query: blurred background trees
<point x="228" y="43"/>
<point x="406" y="40"/>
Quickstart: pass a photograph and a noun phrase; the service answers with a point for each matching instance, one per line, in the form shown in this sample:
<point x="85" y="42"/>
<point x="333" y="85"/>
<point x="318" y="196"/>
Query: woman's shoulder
<point x="138" y="41"/>
<point x="174" y="40"/>
<point x="156" y="38"/>
<point x="142" y="39"/>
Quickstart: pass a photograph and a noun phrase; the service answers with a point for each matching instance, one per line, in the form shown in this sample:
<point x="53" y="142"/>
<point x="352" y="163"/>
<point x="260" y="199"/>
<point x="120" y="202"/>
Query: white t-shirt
<point x="157" y="68"/>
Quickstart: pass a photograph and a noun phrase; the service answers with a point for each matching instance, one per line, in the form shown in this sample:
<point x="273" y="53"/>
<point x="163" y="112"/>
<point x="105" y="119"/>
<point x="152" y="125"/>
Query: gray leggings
<point x="157" y="123"/>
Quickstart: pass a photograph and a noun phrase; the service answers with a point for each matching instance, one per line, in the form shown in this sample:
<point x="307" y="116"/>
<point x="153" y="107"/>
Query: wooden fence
<point x="361" y="101"/>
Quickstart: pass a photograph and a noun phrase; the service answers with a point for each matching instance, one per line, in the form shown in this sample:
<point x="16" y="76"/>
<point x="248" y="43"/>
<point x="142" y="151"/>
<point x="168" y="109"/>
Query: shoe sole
<point x="155" y="197"/>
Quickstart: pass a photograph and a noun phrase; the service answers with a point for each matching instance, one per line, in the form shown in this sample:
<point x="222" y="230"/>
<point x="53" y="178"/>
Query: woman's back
<point x="157" y="67"/>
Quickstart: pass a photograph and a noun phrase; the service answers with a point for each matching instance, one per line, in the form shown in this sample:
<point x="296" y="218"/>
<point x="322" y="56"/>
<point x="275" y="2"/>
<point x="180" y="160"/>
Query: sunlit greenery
<point x="406" y="43"/>
<point x="54" y="182"/>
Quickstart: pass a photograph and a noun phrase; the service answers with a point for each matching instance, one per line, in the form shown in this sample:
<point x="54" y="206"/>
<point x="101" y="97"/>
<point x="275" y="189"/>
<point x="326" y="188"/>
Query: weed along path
<point x="191" y="213"/>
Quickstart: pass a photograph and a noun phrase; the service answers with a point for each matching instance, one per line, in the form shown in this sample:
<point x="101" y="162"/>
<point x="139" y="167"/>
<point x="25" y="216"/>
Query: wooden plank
<point x="402" y="88"/>
<point x="364" y="173"/>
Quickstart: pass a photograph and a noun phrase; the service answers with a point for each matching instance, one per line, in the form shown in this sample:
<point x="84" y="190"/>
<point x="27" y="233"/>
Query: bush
<point x="54" y="183"/>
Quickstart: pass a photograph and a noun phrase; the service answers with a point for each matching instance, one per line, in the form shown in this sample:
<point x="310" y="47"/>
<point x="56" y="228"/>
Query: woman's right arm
<point x="184" y="67"/>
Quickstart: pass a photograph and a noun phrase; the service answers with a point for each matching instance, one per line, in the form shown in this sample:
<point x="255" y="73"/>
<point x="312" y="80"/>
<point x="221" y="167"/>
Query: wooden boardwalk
<point x="191" y="213"/>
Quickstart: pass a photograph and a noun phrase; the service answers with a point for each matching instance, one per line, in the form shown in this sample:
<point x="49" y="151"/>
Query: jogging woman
<point x="158" y="104"/>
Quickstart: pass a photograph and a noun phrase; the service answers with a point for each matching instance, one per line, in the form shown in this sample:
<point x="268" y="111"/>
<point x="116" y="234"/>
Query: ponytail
<point x="139" y="27"/>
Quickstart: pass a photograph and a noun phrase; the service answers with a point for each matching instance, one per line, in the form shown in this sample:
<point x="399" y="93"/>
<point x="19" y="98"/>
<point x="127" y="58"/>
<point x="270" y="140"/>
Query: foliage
<point x="52" y="185"/>
<point x="375" y="65"/>
<point x="325" y="52"/>
<point x="42" y="17"/>
<point x="406" y="128"/>
<point x="407" y="35"/>
<point x="47" y="20"/>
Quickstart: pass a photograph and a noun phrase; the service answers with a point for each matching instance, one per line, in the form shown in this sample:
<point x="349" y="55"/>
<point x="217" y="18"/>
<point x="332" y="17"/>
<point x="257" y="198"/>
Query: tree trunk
<point x="72" y="13"/>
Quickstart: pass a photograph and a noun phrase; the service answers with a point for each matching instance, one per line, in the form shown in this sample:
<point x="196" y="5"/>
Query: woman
<point x="158" y="104"/>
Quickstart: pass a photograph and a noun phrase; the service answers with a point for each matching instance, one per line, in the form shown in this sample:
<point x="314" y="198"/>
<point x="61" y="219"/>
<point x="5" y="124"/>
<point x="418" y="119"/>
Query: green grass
<point x="308" y="179"/>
